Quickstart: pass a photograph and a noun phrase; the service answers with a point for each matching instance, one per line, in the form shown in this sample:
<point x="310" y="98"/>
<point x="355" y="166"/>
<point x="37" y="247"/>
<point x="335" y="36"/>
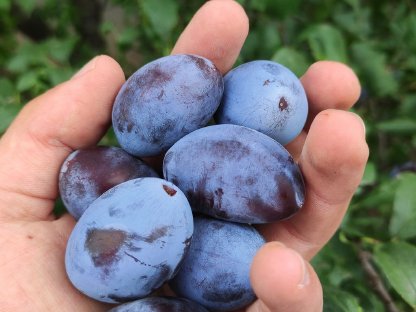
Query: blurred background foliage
<point x="370" y="264"/>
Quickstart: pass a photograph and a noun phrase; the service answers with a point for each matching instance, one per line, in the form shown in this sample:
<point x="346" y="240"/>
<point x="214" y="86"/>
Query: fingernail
<point x="86" y="68"/>
<point x="305" y="278"/>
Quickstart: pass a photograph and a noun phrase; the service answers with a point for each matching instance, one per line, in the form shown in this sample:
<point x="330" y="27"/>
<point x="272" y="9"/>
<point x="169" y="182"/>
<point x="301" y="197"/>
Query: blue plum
<point x="165" y="100"/>
<point x="160" y="304"/>
<point x="215" y="271"/>
<point x="130" y="240"/>
<point x="265" y="96"/>
<point x="88" y="173"/>
<point x="235" y="173"/>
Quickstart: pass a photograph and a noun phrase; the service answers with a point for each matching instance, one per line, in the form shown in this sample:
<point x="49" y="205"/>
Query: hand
<point x="332" y="153"/>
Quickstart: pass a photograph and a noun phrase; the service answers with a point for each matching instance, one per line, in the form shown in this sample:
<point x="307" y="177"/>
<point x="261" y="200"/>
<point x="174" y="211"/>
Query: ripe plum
<point x="235" y="173"/>
<point x="130" y="240"/>
<point x="87" y="173"/>
<point x="215" y="271"/>
<point x="265" y="96"/>
<point x="165" y="100"/>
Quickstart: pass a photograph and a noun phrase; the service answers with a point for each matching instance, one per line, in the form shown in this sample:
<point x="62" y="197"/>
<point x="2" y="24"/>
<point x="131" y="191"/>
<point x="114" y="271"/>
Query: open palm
<point x="331" y="152"/>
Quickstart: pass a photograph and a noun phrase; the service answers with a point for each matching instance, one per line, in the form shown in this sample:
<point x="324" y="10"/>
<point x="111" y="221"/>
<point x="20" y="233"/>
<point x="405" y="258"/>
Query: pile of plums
<point x="193" y="228"/>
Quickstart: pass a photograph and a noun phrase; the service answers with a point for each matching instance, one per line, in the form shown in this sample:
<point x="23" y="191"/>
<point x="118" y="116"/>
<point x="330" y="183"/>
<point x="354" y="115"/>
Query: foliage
<point x="42" y="43"/>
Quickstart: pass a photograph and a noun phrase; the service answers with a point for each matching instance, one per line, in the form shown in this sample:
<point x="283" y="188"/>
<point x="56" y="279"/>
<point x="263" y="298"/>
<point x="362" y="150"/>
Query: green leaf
<point x="59" y="50"/>
<point x="370" y="174"/>
<point x="326" y="42"/>
<point x="282" y="8"/>
<point x="27" y="55"/>
<point x="7" y="88"/>
<point x="162" y="14"/>
<point x="292" y="59"/>
<point x="259" y="5"/>
<point x="397" y="260"/>
<point x="27" y="81"/>
<point x="270" y="39"/>
<point x="262" y="42"/>
<point x="18" y="63"/>
<point x="383" y="194"/>
<point x="373" y="69"/>
<point x="5" y="5"/>
<point x="398" y="126"/>
<point x="58" y="75"/>
<point x="355" y="22"/>
<point x="340" y="301"/>
<point x="403" y="221"/>
<point x="7" y="114"/>
<point x="353" y="3"/>
<point x="106" y="27"/>
<point x="408" y="104"/>
<point x="252" y="44"/>
<point x="27" y="5"/>
<point x="127" y="37"/>
<point x="8" y="92"/>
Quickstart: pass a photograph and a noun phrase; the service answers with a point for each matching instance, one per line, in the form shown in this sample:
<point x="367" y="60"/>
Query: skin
<point x="331" y="151"/>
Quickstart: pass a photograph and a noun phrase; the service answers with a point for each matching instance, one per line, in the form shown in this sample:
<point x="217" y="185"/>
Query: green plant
<point x="369" y="265"/>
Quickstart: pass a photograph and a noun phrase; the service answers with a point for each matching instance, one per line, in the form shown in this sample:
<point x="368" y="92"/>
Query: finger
<point x="284" y="282"/>
<point x="72" y="115"/>
<point x="332" y="163"/>
<point x="328" y="85"/>
<point x="77" y="113"/>
<point x="217" y="31"/>
<point x="295" y="147"/>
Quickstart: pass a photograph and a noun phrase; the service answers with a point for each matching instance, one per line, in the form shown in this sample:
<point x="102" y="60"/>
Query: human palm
<point x="331" y="151"/>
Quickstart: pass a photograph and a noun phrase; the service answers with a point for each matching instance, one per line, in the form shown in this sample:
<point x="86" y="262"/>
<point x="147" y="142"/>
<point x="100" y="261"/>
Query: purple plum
<point x="130" y="240"/>
<point x="87" y="173"/>
<point x="235" y="173"/>
<point x="265" y="96"/>
<point x="215" y="271"/>
<point x="165" y="100"/>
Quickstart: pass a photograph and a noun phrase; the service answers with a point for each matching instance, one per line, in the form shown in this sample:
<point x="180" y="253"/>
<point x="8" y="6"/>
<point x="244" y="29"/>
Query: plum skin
<point x="87" y="173"/>
<point x="215" y="271"/>
<point x="165" y="100"/>
<point x="265" y="96"/>
<point x="129" y="241"/>
<point x="160" y="304"/>
<point x="237" y="174"/>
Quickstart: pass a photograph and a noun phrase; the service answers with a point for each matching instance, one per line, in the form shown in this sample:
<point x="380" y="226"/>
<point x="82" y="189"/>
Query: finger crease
<point x="306" y="244"/>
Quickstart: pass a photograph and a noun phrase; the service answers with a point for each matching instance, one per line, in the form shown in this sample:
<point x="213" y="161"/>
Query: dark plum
<point x="160" y="304"/>
<point x="235" y="173"/>
<point x="215" y="271"/>
<point x="88" y="173"/>
<point x="130" y="240"/>
<point x="165" y="100"/>
<point x="265" y="96"/>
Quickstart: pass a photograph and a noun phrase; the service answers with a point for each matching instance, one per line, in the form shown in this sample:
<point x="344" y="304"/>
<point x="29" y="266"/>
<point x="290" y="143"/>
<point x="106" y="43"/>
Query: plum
<point x="165" y="100"/>
<point x="130" y="240"/>
<point x="87" y="173"/>
<point x="215" y="271"/>
<point x="265" y="96"/>
<point x="235" y="173"/>
<point x="160" y="304"/>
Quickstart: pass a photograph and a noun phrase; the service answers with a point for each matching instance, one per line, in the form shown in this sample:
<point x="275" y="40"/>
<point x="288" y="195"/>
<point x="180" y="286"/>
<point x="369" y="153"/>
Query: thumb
<point x="284" y="282"/>
<point x="70" y="116"/>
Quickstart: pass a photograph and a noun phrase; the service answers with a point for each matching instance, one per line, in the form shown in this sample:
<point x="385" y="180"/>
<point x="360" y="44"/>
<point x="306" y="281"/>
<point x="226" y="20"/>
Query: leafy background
<point x="370" y="264"/>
